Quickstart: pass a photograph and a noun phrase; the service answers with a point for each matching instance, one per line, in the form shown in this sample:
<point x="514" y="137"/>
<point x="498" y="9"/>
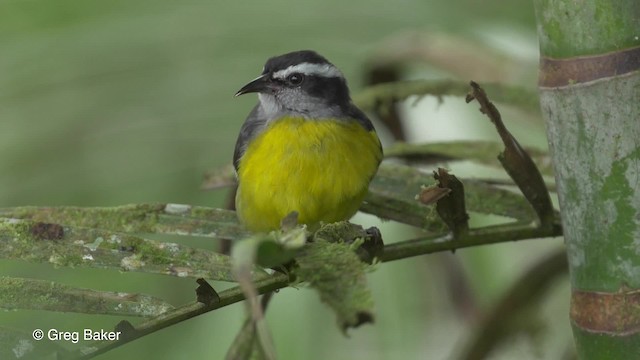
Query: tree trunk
<point x="590" y="97"/>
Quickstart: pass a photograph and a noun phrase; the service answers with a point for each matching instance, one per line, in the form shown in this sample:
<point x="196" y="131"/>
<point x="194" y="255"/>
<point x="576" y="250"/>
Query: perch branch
<point x="391" y="252"/>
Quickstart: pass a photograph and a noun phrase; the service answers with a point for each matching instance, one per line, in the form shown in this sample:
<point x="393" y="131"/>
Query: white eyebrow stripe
<point x="324" y="70"/>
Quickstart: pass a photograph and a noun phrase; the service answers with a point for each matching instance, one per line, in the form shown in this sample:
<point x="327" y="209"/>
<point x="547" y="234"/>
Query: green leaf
<point x="32" y="294"/>
<point x="338" y="274"/>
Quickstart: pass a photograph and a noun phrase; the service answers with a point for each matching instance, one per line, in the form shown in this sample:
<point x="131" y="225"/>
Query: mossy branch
<point x="177" y="219"/>
<point x="396" y="251"/>
<point x="33" y="294"/>
<point x="72" y="246"/>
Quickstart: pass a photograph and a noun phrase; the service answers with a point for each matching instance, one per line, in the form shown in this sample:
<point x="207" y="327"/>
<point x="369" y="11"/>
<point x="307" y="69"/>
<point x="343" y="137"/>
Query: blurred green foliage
<point x="113" y="102"/>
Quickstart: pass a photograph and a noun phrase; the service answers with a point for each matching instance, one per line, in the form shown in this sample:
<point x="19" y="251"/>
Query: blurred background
<point x="113" y="102"/>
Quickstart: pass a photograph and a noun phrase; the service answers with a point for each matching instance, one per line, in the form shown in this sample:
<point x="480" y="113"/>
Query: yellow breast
<point x="321" y="169"/>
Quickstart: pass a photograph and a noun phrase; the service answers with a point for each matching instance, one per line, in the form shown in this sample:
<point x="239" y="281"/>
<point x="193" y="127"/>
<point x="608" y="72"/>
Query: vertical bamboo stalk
<point x="590" y="97"/>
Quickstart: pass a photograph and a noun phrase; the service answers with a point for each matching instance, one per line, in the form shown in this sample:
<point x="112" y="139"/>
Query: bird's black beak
<point x="259" y="84"/>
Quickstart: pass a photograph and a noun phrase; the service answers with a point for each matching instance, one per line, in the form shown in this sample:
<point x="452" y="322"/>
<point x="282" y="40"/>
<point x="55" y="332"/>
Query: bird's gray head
<point x="301" y="83"/>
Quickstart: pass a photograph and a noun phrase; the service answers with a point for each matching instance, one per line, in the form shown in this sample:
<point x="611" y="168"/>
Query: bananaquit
<point x="304" y="147"/>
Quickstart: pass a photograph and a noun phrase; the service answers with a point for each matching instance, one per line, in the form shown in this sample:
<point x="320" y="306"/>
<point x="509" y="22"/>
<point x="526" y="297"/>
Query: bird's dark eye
<point x="295" y="79"/>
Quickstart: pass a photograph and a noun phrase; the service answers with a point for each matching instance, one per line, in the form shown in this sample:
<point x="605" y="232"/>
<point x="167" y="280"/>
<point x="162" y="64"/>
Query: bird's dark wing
<point x="253" y="125"/>
<point x="354" y="112"/>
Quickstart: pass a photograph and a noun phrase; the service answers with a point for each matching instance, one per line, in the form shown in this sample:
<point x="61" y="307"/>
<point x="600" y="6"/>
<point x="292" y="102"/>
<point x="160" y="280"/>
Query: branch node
<point x="205" y="293"/>
<point x="127" y="330"/>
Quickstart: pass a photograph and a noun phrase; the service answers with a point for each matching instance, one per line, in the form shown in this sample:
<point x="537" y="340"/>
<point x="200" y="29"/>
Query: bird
<point x="304" y="148"/>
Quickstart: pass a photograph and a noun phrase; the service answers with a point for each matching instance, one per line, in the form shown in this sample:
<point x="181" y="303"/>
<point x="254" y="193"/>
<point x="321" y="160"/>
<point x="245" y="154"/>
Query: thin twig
<point x="227" y="297"/>
<point x="475" y="237"/>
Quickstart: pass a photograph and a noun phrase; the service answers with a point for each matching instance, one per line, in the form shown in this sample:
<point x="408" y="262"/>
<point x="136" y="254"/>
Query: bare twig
<point x="475" y="237"/>
<point x="516" y="161"/>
